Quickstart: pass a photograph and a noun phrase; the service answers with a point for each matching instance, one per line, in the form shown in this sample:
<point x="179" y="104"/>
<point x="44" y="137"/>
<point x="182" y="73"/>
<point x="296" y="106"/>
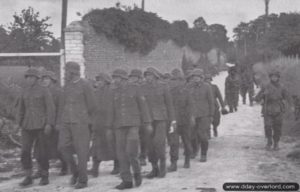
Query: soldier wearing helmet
<point x="274" y="96"/>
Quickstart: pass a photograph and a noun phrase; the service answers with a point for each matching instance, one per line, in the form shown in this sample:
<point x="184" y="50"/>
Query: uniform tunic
<point x="103" y="146"/>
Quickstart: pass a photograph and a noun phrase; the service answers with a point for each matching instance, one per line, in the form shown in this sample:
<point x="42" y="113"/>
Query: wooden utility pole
<point x="143" y="5"/>
<point x="62" y="48"/>
<point x="267" y="2"/>
<point x="63" y="22"/>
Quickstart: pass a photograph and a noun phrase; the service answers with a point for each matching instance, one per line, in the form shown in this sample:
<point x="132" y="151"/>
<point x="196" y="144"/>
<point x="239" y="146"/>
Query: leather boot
<point x="27" y="180"/>
<point x="94" y="171"/>
<point x="203" y="158"/>
<point x="73" y="180"/>
<point x="37" y="174"/>
<point x="124" y="185"/>
<point x="276" y="146"/>
<point x="44" y="181"/>
<point x="154" y="172"/>
<point x="137" y="179"/>
<point x="215" y="132"/>
<point x="116" y="169"/>
<point x="80" y="185"/>
<point x="269" y="144"/>
<point x="64" y="169"/>
<point x="173" y="167"/>
<point x="162" y="168"/>
<point x="186" y="163"/>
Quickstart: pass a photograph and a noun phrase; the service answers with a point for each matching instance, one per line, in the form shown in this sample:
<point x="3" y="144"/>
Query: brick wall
<point x="96" y="53"/>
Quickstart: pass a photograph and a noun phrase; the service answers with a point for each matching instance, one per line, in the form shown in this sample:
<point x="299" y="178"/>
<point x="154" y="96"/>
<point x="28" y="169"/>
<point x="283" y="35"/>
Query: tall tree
<point x="30" y="31"/>
<point x="201" y="24"/>
<point x="218" y="34"/>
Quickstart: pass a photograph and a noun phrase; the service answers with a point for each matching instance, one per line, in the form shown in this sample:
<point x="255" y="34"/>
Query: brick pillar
<point x="74" y="45"/>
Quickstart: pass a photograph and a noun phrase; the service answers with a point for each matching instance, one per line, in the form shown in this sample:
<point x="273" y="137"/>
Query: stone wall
<point x="96" y="53"/>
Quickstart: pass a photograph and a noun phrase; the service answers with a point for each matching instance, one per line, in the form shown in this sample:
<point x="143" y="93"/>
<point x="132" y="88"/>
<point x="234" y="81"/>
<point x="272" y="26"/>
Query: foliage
<point x="266" y="38"/>
<point x="29" y="33"/>
<point x="140" y="31"/>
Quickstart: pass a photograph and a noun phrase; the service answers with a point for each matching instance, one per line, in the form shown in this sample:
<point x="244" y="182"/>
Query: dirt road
<point x="237" y="155"/>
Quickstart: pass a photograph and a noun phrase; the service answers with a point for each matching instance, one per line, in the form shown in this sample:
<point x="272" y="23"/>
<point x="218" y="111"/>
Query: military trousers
<point x="273" y="125"/>
<point x="216" y="118"/>
<point x="143" y="142"/>
<point x="29" y="137"/>
<point x="173" y="138"/>
<point x="127" y="143"/>
<point x="157" y="142"/>
<point x="249" y="90"/>
<point x="74" y="138"/>
<point x="202" y="127"/>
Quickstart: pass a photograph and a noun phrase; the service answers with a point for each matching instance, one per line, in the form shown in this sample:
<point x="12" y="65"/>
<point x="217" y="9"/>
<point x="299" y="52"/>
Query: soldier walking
<point x="103" y="147"/>
<point x="76" y="108"/>
<point x="232" y="87"/>
<point x="129" y="112"/>
<point x="247" y="85"/>
<point x="181" y="105"/>
<point x="49" y="80"/>
<point x="161" y="109"/>
<point x="36" y="118"/>
<point x="136" y="77"/>
<point x="273" y="95"/>
<point x="202" y="109"/>
<point x="218" y="99"/>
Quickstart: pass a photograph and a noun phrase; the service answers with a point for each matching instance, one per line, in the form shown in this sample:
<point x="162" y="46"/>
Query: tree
<point x="200" y="23"/>
<point x="29" y="31"/>
<point x="179" y="31"/>
<point x="218" y="34"/>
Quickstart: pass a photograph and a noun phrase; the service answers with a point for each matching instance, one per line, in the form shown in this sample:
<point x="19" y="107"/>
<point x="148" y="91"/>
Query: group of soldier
<point x="127" y="118"/>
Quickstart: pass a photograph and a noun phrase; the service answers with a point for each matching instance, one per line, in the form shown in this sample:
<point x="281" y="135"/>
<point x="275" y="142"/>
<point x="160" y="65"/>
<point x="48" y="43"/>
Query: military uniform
<point x="103" y="147"/>
<point x="218" y="99"/>
<point x="180" y="97"/>
<point x="36" y="110"/>
<point x="76" y="109"/>
<point x="232" y="87"/>
<point x="247" y="86"/>
<point x="161" y="108"/>
<point x="52" y="138"/>
<point x="202" y="111"/>
<point x="273" y="95"/>
<point x="129" y="112"/>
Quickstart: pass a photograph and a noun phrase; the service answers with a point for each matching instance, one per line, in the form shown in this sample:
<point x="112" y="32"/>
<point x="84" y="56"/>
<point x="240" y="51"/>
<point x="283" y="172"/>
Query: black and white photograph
<point x="149" y="95"/>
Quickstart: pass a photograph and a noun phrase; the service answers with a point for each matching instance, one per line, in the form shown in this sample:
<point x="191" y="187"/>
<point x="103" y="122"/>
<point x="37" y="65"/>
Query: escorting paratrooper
<point x="274" y="97"/>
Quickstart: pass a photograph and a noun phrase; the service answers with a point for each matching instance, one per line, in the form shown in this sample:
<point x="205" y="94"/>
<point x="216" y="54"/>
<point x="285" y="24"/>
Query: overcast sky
<point x="226" y="12"/>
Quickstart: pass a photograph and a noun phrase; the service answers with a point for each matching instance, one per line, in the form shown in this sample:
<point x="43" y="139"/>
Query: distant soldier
<point x="36" y="118"/>
<point x="296" y="101"/>
<point x="181" y="105"/>
<point x="103" y="147"/>
<point x="76" y="108"/>
<point x="129" y="112"/>
<point x="202" y="110"/>
<point x="49" y="80"/>
<point x="232" y="87"/>
<point x="218" y="99"/>
<point x="247" y="85"/>
<point x="136" y="77"/>
<point x="273" y="95"/>
<point x="161" y="108"/>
